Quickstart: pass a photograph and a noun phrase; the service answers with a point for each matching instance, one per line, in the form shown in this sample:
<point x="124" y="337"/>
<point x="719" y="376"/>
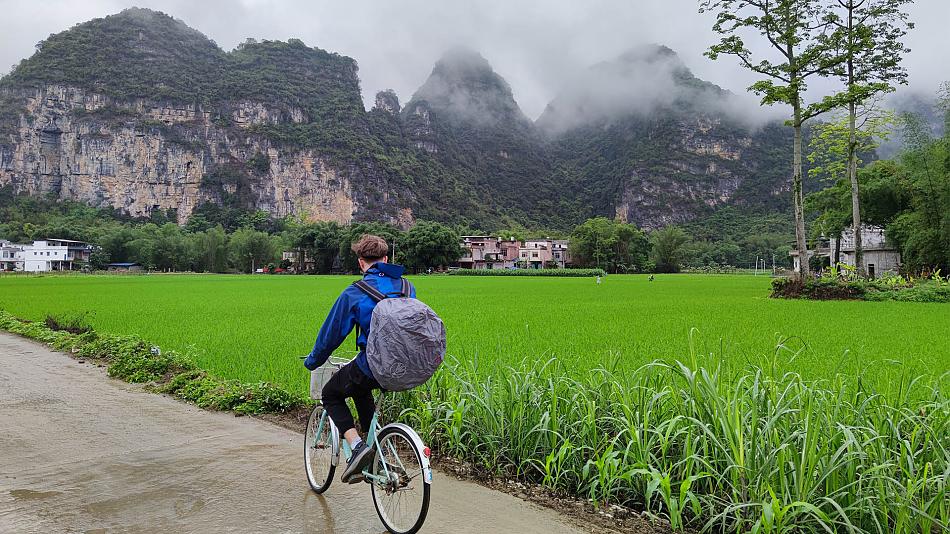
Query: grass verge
<point x="132" y="359"/>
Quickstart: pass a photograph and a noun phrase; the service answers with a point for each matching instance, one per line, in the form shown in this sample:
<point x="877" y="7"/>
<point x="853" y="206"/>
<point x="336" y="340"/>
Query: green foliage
<point x="830" y="141"/>
<point x="319" y="242"/>
<point x="668" y="249"/>
<point x="260" y="163"/>
<point x="529" y="272"/>
<point x="250" y="249"/>
<point x="106" y="55"/>
<point x="848" y="286"/>
<point x="909" y="196"/>
<point x="429" y="244"/>
<point x="609" y="245"/>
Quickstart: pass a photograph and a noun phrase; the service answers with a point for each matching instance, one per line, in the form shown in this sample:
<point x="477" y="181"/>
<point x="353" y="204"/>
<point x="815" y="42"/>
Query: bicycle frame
<point x="373" y="441"/>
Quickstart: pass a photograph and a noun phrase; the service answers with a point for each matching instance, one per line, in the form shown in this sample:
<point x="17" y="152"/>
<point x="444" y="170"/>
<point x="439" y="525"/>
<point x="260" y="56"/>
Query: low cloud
<point x="538" y="46"/>
<point x="639" y="82"/>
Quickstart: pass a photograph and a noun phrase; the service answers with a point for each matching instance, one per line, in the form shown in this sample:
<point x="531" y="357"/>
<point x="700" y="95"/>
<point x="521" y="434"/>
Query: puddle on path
<point x="31" y="495"/>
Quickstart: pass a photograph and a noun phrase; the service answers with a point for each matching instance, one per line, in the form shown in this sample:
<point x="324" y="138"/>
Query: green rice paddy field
<point x="254" y="328"/>
<point x="831" y="432"/>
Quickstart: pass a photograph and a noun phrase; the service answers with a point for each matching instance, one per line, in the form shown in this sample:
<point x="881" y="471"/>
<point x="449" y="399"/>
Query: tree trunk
<point x="855" y="192"/>
<point x="853" y="151"/>
<point x="838" y="250"/>
<point x="798" y="199"/>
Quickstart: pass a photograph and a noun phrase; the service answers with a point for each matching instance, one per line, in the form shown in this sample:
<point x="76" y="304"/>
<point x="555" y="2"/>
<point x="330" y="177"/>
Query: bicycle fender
<point x="417" y="441"/>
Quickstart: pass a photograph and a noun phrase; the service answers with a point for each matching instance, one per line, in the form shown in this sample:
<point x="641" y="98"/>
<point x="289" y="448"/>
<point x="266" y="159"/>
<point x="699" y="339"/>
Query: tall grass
<point x="759" y="452"/>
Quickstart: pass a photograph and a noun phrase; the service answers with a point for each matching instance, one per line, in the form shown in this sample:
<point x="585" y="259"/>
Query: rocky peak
<point x="464" y="87"/>
<point x="387" y="101"/>
<point x="640" y="81"/>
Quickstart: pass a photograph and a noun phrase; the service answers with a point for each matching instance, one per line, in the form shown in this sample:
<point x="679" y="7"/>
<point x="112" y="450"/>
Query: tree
<point x="795" y="33"/>
<point x="249" y="249"/>
<point x="430" y="244"/>
<point x="98" y="258"/>
<point x="609" y="245"/>
<point x="869" y="35"/>
<point x="319" y="241"/>
<point x="831" y="160"/>
<point x="668" y="248"/>
<point x="211" y="249"/>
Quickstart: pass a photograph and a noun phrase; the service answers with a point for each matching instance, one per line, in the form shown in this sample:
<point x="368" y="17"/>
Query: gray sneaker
<point x="359" y="460"/>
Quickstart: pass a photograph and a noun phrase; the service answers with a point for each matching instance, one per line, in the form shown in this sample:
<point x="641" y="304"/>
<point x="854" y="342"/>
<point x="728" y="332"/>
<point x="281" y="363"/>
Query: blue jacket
<point x="352" y="307"/>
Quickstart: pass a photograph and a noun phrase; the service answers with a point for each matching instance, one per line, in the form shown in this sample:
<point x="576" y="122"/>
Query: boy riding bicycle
<point x="354" y="308"/>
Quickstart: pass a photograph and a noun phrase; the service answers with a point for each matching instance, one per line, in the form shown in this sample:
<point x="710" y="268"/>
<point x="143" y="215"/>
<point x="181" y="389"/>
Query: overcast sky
<point x="537" y="45"/>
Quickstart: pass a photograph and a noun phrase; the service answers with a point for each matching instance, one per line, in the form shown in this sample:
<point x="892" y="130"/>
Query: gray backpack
<point x="406" y="342"/>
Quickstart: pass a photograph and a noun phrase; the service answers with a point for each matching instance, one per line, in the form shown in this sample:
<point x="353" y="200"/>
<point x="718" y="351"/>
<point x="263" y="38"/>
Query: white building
<point x="880" y="256"/>
<point x="54" y="255"/>
<point x="11" y="256"/>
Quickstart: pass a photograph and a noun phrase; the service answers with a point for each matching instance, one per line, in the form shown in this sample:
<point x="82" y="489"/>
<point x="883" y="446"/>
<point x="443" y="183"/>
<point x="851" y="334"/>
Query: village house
<point x="880" y="256"/>
<point x="481" y="252"/>
<point x="10" y="256"/>
<point x="489" y="252"/>
<point x="536" y="254"/>
<point x="54" y="255"/>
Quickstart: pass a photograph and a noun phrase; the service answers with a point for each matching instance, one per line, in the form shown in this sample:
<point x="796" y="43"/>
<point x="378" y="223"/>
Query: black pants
<point x="350" y="382"/>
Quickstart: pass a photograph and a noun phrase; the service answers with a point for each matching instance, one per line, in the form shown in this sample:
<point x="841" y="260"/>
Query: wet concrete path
<point x="80" y="452"/>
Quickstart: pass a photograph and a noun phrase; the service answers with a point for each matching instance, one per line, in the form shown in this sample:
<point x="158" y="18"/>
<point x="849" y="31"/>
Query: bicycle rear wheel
<point x="402" y="502"/>
<point x="319" y="451"/>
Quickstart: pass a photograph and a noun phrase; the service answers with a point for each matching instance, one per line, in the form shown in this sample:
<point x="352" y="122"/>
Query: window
<point x="534" y="254"/>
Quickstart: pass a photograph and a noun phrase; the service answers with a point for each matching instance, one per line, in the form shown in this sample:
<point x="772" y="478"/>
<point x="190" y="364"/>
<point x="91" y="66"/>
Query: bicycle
<point x="399" y="475"/>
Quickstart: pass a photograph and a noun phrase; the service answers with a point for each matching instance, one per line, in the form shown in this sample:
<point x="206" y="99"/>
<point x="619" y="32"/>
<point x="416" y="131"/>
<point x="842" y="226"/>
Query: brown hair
<point x="371" y="247"/>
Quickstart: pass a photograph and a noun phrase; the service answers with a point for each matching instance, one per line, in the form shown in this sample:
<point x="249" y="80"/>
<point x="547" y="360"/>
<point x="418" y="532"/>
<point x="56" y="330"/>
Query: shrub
<point x="858" y="289"/>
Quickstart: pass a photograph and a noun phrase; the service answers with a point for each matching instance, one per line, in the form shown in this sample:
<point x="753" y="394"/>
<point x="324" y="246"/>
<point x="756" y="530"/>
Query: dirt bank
<point x="82" y="453"/>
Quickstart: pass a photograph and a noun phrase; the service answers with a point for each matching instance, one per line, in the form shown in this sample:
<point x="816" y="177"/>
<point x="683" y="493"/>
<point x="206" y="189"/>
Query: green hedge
<point x="875" y="290"/>
<point x="528" y="272"/>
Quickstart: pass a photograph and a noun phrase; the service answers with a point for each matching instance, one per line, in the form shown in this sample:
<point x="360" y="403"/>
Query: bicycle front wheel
<point x="402" y="501"/>
<point x="318" y="450"/>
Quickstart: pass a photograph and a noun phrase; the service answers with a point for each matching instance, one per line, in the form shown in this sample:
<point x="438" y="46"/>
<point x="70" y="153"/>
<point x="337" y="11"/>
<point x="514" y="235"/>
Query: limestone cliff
<point x="140" y="156"/>
<point x="139" y="112"/>
<point x="117" y="143"/>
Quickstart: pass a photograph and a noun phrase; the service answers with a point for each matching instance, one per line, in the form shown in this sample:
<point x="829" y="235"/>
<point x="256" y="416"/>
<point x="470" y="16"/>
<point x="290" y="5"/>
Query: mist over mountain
<point x="139" y="112"/>
<point x="465" y="87"/>
<point x="641" y="81"/>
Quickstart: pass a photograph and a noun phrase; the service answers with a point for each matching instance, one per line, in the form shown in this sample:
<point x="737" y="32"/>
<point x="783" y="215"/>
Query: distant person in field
<point x="354" y="308"/>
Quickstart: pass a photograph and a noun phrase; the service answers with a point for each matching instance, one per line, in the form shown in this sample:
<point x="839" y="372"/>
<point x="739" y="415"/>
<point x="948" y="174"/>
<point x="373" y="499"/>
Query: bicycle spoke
<point x="400" y="500"/>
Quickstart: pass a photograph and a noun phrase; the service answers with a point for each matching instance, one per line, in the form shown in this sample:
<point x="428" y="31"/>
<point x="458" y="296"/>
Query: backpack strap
<point x="406" y="288"/>
<point x="373" y="293"/>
